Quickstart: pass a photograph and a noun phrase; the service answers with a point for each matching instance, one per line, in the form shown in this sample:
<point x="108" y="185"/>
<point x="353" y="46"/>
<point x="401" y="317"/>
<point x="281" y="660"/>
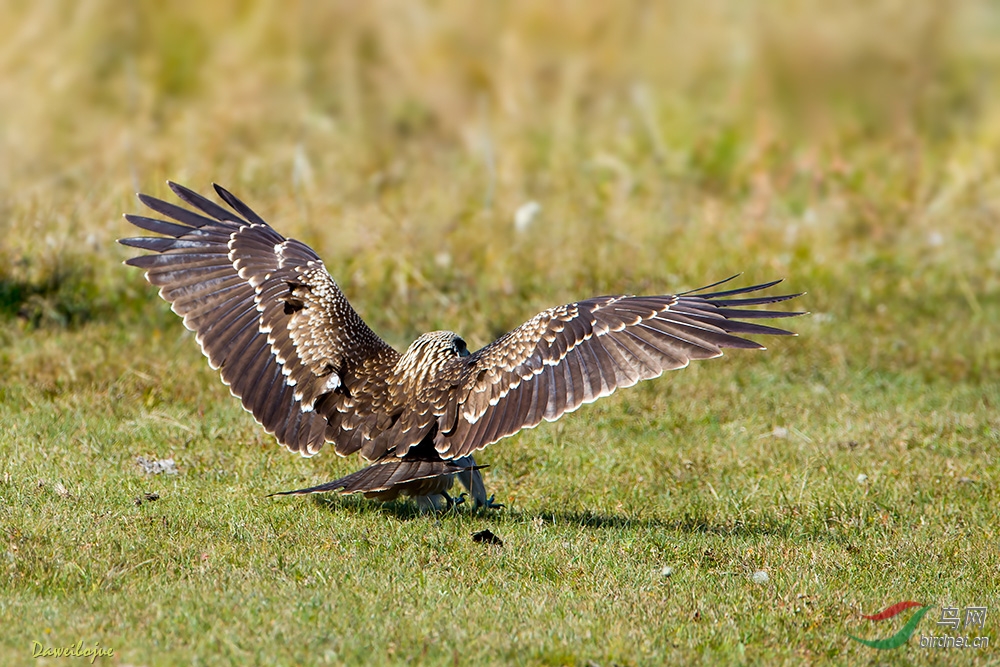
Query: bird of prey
<point x="273" y="322"/>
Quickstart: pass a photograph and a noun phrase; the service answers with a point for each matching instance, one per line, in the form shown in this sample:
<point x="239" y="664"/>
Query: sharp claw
<point x="451" y="503"/>
<point x="492" y="505"/>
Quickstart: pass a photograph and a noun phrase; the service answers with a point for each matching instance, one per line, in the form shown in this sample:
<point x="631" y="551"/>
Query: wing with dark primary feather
<point x="277" y="327"/>
<point x="576" y="353"/>
<point x="268" y="316"/>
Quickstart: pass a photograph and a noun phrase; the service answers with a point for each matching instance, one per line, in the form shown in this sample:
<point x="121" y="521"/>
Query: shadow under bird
<point x="285" y="339"/>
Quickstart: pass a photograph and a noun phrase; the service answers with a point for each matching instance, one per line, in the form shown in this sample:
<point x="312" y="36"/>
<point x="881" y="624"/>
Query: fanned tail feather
<point x="383" y="476"/>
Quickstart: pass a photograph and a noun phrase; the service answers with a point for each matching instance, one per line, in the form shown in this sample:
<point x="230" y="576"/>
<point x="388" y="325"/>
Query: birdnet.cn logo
<point x="968" y="619"/>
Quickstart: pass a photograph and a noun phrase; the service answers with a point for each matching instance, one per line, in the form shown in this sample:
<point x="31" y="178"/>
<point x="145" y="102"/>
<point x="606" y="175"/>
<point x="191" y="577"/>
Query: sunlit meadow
<point x="852" y="148"/>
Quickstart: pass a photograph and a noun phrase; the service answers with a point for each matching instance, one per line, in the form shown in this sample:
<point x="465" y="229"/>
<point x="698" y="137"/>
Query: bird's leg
<point x="438" y="502"/>
<point x="430" y="503"/>
<point x="472" y="479"/>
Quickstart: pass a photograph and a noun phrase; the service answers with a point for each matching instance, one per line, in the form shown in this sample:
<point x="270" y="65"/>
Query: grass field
<point x="852" y="149"/>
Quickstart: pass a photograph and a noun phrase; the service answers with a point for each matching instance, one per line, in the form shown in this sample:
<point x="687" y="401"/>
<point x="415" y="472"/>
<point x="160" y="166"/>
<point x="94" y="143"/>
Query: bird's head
<point x="429" y="354"/>
<point x="443" y="344"/>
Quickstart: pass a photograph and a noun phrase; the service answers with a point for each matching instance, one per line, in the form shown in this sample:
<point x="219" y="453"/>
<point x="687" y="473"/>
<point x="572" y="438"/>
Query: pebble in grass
<point x="760" y="577"/>
<point x="525" y="215"/>
<point x="156" y="466"/>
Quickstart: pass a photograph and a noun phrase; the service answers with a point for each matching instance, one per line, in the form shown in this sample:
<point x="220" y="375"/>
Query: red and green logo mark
<point x="901" y="637"/>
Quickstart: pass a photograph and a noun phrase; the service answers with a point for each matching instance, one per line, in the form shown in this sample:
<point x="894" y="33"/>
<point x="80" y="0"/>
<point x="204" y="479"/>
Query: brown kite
<point x="285" y="339"/>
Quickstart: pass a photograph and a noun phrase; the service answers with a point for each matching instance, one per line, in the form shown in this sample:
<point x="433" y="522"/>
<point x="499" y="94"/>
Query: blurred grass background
<point x="852" y="147"/>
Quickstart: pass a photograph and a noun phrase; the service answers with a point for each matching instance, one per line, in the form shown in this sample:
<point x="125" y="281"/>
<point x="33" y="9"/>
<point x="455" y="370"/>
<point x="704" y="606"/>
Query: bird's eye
<point x="460" y="348"/>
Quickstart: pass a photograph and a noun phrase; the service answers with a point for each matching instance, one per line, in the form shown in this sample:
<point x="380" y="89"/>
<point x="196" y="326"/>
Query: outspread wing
<point x="268" y="316"/>
<point x="576" y="353"/>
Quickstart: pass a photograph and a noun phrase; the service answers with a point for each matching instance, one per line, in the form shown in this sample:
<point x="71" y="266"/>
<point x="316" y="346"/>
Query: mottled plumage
<point x="270" y="318"/>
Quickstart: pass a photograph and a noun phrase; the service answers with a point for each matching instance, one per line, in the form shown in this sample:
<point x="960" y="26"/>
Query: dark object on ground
<point x="487" y="537"/>
<point x="146" y="496"/>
